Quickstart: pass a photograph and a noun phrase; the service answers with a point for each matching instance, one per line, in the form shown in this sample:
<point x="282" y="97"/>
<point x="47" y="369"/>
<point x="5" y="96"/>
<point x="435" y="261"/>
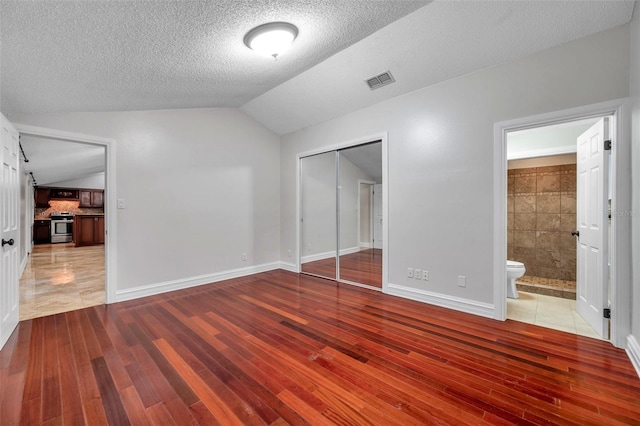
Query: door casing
<point x="109" y="197"/>
<point x="620" y="112"/>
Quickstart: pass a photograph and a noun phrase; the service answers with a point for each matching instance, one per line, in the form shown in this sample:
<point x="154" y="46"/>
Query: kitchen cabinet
<point x="42" y="196"/>
<point x="88" y="230"/>
<point x="91" y="198"/>
<point x="42" y="232"/>
<point x="64" y="194"/>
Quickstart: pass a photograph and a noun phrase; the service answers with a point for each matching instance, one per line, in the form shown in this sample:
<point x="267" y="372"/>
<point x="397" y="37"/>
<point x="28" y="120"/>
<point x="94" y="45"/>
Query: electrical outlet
<point x="289" y="253"/>
<point x="417" y="274"/>
<point x="410" y="272"/>
<point x="462" y="281"/>
<point x="425" y="275"/>
<point x="244" y="257"/>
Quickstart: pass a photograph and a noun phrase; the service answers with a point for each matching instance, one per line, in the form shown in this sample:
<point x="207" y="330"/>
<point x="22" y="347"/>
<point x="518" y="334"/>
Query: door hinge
<point x="606" y="313"/>
<point x="607" y="145"/>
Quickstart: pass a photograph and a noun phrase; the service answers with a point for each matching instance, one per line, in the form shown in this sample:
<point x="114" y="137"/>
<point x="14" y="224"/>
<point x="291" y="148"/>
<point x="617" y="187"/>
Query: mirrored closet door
<point x="341" y="214"/>
<point x="318" y="214"/>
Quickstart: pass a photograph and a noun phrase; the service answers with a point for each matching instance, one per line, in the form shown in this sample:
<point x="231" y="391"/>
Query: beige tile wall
<point x="541" y="213"/>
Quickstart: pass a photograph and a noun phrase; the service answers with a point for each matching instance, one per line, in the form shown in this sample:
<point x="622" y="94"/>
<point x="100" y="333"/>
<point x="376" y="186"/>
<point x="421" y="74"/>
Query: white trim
<point x="365" y="244"/>
<point x="23" y="264"/>
<point x="291" y="267"/>
<point x="328" y="255"/>
<point x="111" y="233"/>
<point x="633" y="351"/>
<point x="619" y="109"/>
<point x="450" y="302"/>
<point x="547" y="152"/>
<point x="183" y="283"/>
<point x="360" y="183"/>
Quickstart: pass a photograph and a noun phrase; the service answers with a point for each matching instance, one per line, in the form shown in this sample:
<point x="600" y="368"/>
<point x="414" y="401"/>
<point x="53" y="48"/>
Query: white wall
<point x="635" y="216"/>
<point x="201" y="187"/>
<point x="441" y="205"/>
<point x="93" y="181"/>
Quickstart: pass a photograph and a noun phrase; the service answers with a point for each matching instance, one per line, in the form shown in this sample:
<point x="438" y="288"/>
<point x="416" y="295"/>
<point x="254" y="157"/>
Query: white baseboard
<point x="442" y="300"/>
<point x="365" y="244"/>
<point x="328" y="255"/>
<point x="633" y="351"/>
<point x="291" y="267"/>
<point x="153" y="289"/>
<point x="23" y="264"/>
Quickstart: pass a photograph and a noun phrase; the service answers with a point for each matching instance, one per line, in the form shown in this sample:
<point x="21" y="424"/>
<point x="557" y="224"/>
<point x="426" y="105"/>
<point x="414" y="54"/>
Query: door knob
<point x="576" y="233"/>
<point x="5" y="242"/>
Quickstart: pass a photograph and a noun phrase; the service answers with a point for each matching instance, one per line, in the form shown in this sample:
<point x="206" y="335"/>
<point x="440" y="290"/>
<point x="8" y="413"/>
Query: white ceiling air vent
<point x="380" y="80"/>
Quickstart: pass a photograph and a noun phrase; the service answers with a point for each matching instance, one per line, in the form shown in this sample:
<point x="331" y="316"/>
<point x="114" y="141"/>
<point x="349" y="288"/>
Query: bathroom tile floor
<point x="550" y="312"/>
<point x="61" y="278"/>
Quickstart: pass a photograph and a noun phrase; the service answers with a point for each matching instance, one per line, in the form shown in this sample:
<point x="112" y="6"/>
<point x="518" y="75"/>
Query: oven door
<point x="61" y="231"/>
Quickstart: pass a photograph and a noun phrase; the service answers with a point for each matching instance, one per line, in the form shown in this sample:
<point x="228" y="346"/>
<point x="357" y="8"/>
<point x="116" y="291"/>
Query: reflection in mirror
<point x="318" y="214"/>
<point x="360" y="204"/>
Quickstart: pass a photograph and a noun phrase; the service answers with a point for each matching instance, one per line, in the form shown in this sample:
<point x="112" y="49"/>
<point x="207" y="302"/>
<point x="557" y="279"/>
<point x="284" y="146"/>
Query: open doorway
<point x="66" y="179"/>
<point x="65" y="269"/>
<point x="541" y="225"/>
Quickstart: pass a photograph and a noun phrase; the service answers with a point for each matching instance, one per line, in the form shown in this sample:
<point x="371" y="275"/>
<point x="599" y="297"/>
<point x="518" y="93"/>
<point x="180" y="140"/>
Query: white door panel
<point x="9" y="232"/>
<point x="592" y="246"/>
<point x="377" y="215"/>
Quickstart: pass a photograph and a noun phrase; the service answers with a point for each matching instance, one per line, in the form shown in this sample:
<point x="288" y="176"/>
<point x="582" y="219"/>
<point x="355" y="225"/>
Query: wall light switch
<point x="121" y="203"/>
<point x="417" y="273"/>
<point x="425" y="275"/>
<point x="244" y="256"/>
<point x="462" y="281"/>
<point x="410" y="272"/>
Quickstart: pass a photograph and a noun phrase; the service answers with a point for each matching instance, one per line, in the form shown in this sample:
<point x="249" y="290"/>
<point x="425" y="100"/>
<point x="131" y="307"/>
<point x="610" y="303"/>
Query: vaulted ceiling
<point x="61" y="56"/>
<point x="66" y="56"/>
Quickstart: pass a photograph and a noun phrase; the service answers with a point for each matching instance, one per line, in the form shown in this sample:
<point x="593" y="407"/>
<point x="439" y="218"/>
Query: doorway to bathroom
<point x="552" y="192"/>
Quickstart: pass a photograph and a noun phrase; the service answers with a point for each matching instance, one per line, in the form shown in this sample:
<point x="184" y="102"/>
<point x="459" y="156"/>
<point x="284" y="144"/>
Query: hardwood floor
<point x="364" y="267"/>
<point x="282" y="348"/>
<point x="60" y="278"/>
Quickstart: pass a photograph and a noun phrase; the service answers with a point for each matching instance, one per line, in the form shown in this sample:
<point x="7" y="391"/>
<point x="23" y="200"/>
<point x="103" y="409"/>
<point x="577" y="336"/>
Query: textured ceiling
<point x="438" y="42"/>
<point x="61" y="56"/>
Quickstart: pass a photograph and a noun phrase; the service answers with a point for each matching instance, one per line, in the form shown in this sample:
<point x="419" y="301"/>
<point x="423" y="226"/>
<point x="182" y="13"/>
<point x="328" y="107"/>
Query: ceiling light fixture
<point x="271" y="39"/>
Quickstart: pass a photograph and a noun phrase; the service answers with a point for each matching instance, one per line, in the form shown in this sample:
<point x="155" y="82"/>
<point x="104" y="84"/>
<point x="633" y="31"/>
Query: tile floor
<point x="548" y="311"/>
<point x="60" y="278"/>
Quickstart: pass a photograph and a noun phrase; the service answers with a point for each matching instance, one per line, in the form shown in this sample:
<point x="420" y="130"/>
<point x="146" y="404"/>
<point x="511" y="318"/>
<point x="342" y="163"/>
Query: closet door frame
<point x="382" y="137"/>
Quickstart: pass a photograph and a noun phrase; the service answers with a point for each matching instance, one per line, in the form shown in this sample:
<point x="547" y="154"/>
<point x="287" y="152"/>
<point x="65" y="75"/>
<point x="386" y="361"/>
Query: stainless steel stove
<point x="61" y="227"/>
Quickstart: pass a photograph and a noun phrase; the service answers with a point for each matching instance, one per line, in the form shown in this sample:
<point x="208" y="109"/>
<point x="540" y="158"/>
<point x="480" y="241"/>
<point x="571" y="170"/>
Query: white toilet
<point x="514" y="270"/>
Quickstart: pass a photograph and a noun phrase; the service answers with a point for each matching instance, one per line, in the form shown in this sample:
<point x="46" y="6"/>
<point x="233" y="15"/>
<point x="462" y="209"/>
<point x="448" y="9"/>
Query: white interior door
<point x="377" y="216"/>
<point x="592" y="217"/>
<point x="9" y="231"/>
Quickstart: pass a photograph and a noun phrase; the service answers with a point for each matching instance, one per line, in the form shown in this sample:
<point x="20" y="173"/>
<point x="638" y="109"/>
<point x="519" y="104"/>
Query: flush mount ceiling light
<point x="271" y="39"/>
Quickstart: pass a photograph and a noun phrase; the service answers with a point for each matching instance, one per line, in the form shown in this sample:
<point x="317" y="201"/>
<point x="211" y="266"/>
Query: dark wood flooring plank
<point x="70" y="397"/>
<point x="111" y="398"/>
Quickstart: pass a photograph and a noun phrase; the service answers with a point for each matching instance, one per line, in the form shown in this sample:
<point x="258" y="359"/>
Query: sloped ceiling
<point x="61" y="56"/>
<point x="53" y="161"/>
<point x="438" y="42"/>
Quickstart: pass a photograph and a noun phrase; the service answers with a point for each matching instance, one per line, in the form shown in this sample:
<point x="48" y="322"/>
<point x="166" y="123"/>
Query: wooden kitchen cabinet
<point x="88" y="230"/>
<point x="42" y="232"/>
<point x="42" y="196"/>
<point x="91" y="198"/>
